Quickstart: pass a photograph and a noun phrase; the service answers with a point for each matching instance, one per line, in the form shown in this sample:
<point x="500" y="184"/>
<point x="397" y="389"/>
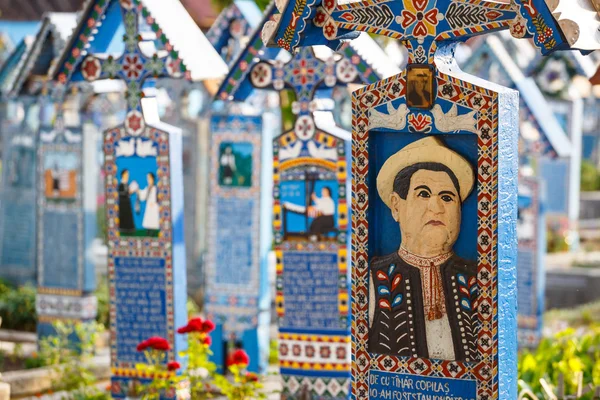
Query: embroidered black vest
<point x="399" y="320"/>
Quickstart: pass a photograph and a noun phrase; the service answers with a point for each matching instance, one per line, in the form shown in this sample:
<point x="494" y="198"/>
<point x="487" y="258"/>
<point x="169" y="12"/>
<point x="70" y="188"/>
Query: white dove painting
<point x="394" y="119"/>
<point x="291" y="151"/>
<point x="323" y="152"/>
<point x="125" y="148"/>
<point x="451" y="121"/>
<point x="146" y="148"/>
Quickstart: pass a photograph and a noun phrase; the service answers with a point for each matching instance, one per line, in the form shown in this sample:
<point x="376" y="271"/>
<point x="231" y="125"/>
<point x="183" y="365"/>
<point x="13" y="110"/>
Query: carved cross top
<point x="139" y="62"/>
<point x="304" y="74"/>
<point x="420" y="24"/>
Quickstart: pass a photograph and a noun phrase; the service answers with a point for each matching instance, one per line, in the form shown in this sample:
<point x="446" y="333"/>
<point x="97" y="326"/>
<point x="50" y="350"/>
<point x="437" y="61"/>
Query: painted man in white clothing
<point x="322" y="212"/>
<point x="423" y="296"/>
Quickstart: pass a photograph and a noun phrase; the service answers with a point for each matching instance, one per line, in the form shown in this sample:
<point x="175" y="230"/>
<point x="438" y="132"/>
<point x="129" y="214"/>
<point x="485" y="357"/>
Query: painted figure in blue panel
<point x="126" y="224"/>
<point x="424" y="185"/>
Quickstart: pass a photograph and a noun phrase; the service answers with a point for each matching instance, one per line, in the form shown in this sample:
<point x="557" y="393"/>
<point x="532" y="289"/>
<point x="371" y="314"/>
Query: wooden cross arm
<point x="426" y="22"/>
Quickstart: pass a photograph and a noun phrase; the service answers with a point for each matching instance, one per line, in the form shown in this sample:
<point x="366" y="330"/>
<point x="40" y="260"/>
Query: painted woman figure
<point x="149" y="195"/>
<point x="126" y="224"/>
<point x="228" y="164"/>
<point x="423" y="297"/>
<point x="323" y="212"/>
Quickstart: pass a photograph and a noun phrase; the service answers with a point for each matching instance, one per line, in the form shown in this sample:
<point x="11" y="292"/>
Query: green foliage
<point x="273" y="352"/>
<point x="241" y="386"/>
<point x="103" y="297"/>
<point x="17" y="309"/>
<point x="556" y="242"/>
<point x="220" y="5"/>
<point x="69" y="353"/>
<point x="200" y="370"/>
<point x="5" y="287"/>
<point x="192" y="307"/>
<point x="590" y="177"/>
<point x="101" y="222"/>
<point x="569" y="354"/>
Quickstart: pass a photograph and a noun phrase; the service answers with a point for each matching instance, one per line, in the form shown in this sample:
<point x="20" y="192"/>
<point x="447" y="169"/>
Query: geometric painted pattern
<point x="298" y="386"/>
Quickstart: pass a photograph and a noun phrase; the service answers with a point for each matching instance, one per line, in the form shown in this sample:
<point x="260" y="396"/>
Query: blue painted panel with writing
<point x="61" y="249"/>
<point x="391" y="386"/>
<point x="234" y="242"/>
<point x="310" y="288"/>
<point x="141" y="298"/>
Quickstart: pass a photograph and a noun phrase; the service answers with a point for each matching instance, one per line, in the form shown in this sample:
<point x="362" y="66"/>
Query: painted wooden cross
<point x="434" y="195"/>
<point x="305" y="74"/>
<point x="143" y="174"/>
<point x="423" y="24"/>
<point x="310" y="206"/>
<point x="134" y="67"/>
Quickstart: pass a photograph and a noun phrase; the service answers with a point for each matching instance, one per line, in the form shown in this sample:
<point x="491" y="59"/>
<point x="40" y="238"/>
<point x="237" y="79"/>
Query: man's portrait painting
<point x="137" y="177"/>
<point x="60" y="176"/>
<point x="420" y="89"/>
<point x="423" y="294"/>
<point x="235" y="164"/>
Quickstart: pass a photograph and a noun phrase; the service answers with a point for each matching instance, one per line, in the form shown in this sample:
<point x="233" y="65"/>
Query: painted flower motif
<point x="91" y="68"/>
<point x="303" y="71"/>
<point x="155" y="65"/>
<point x="517" y="29"/>
<point x="310" y="351"/>
<point x="284" y="349"/>
<point x="329" y="4"/>
<point x="340" y="353"/>
<point x="330" y="30"/>
<point x="325" y="352"/>
<point x="419" y="122"/>
<point x="132" y="66"/>
<point x="296" y="350"/>
<point x="111" y="67"/>
<point x="320" y="18"/>
<point x="420" y="18"/>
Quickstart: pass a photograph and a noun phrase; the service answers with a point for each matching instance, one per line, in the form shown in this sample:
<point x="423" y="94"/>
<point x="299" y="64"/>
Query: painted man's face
<point x="430" y="216"/>
<point x="125" y="177"/>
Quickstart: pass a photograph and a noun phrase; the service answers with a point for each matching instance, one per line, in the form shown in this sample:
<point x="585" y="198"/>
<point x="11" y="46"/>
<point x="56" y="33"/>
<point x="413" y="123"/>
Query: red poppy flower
<point x="208" y="326"/>
<point x="142" y="345"/>
<point x="238" y="357"/>
<point x="207" y="340"/>
<point x="173" y="366"/>
<point x="193" y="325"/>
<point x="158" y="343"/>
<point x="251" y="376"/>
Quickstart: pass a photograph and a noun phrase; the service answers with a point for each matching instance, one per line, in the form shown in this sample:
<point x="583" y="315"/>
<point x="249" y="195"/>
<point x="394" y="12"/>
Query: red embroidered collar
<point x="431" y="281"/>
<point x="418" y="261"/>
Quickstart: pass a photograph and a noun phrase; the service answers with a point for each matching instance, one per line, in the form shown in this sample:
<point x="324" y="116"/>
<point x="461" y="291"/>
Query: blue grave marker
<point x="237" y="294"/>
<point x="425" y="319"/>
<point x="143" y="170"/>
<point x="310" y="208"/>
<point x="22" y="78"/>
<point x="66" y="225"/>
<point x="239" y="208"/>
<point x="531" y="232"/>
